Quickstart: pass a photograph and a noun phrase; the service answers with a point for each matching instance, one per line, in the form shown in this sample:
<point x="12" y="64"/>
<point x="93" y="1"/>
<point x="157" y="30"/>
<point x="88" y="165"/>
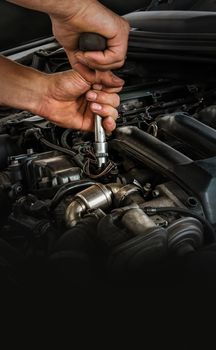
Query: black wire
<point x="63" y="150"/>
<point x="64" y="136"/>
<point x="69" y="189"/>
<point x="210" y="229"/>
<point x="56" y="147"/>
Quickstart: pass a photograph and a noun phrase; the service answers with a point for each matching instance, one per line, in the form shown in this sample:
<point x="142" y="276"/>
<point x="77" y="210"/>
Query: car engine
<point x="153" y="201"/>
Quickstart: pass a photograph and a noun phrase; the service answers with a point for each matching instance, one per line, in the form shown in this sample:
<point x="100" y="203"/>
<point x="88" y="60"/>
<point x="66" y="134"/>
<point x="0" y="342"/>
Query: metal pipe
<point x="94" y="197"/>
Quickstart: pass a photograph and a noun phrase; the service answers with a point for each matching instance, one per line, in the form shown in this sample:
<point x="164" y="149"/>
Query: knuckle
<point x="100" y="67"/>
<point x="102" y="97"/>
<point x="103" y="112"/>
<point x="120" y="63"/>
<point x="126" y="24"/>
<point x="116" y="65"/>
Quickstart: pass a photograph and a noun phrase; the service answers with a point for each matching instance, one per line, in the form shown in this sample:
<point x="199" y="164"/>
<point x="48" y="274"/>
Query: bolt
<point x="30" y="151"/>
<point x="192" y="202"/>
<point x="14" y="162"/>
<point x="147" y="187"/>
<point x="155" y="193"/>
<point x="18" y="189"/>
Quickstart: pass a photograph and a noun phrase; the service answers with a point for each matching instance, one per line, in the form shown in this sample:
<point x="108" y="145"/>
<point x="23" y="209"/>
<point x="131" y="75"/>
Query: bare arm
<point x="65" y="99"/>
<point x="59" y="8"/>
<point x="62" y="98"/>
<point x="20" y="87"/>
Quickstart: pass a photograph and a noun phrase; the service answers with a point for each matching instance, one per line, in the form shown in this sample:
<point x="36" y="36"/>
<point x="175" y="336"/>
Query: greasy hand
<point x="71" y="101"/>
<point x="91" y="16"/>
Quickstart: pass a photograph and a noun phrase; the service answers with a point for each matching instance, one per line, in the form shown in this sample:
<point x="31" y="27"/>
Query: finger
<point x="87" y="73"/>
<point x="100" y="60"/>
<point x="112" y="90"/>
<point x="109" y="124"/>
<point x="103" y="58"/>
<point x="99" y="87"/>
<point x="107" y="78"/>
<point x="102" y="97"/>
<point x="108" y="67"/>
<point x="104" y="110"/>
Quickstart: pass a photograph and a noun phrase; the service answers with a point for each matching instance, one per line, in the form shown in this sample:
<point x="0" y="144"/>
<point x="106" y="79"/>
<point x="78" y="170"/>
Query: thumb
<point x="107" y="79"/>
<point x="68" y="84"/>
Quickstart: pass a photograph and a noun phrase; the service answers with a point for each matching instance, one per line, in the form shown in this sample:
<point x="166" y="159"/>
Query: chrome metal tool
<point x="95" y="42"/>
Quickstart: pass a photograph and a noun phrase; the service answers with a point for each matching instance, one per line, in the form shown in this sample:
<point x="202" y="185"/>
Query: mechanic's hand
<point x="70" y="102"/>
<point x="91" y="16"/>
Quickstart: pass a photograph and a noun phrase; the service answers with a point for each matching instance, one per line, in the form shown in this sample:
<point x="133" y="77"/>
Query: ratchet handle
<point x="92" y="42"/>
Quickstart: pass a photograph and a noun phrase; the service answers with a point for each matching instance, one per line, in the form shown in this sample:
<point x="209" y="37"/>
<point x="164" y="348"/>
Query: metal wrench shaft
<point x="100" y="145"/>
<point x="95" y="42"/>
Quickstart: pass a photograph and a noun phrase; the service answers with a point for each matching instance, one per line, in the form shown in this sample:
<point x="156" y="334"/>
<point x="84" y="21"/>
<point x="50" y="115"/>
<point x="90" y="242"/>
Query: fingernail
<point x="92" y="95"/>
<point x="118" y="80"/>
<point x="97" y="86"/>
<point x="96" y="106"/>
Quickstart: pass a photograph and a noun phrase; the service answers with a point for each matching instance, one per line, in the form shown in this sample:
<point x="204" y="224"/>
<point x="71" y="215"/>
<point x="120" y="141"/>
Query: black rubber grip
<point x="92" y="42"/>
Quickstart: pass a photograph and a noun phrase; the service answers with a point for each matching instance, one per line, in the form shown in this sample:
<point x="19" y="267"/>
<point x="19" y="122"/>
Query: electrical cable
<point x="64" y="136"/>
<point x="57" y="148"/>
<point x="37" y="133"/>
<point x="91" y="162"/>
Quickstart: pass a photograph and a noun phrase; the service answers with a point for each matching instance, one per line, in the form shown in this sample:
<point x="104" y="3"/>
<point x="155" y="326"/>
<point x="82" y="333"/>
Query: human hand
<point x="91" y="16"/>
<point x="71" y="101"/>
<point x="70" y="18"/>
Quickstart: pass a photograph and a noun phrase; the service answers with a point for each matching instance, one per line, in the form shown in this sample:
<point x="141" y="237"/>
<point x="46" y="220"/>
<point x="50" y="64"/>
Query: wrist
<point x="38" y="90"/>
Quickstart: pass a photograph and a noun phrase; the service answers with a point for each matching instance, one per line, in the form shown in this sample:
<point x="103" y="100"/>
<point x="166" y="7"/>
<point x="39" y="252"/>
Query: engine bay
<point x="153" y="201"/>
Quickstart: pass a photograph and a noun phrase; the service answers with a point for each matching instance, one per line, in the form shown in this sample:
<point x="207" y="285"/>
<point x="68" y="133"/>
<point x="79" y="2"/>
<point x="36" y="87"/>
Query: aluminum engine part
<point x="94" y="197"/>
<point x="124" y="192"/>
<point x="97" y="196"/>
<point x="164" y="197"/>
<point x="137" y="222"/>
<point x="115" y="195"/>
<point x="45" y="170"/>
<point x="52" y="170"/>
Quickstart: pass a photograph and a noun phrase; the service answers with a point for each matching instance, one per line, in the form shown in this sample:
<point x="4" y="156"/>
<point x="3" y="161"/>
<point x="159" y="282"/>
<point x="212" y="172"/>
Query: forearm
<point x="21" y="87"/>
<point x="58" y="8"/>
